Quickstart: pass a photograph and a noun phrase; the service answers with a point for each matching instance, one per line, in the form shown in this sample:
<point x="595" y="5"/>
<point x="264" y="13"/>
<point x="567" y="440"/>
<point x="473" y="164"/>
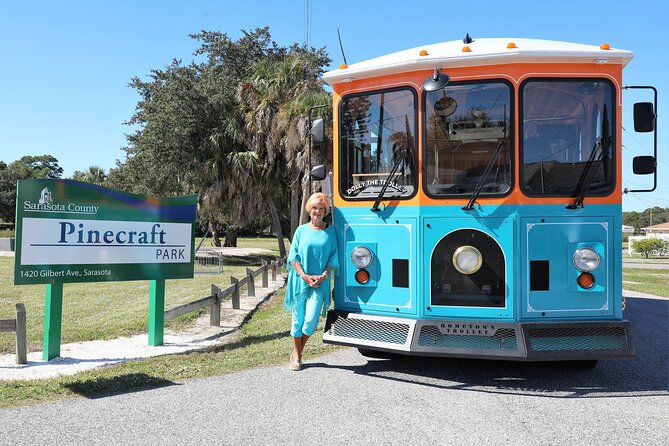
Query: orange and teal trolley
<point x="477" y="200"/>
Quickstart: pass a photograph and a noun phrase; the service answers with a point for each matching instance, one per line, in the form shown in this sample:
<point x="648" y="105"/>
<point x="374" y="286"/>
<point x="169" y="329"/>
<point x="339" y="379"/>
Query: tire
<point x="585" y="364"/>
<point x="376" y="354"/>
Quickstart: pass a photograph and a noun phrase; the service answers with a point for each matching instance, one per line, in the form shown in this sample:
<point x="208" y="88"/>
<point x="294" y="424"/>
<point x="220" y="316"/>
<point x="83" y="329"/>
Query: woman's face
<point x="317" y="211"/>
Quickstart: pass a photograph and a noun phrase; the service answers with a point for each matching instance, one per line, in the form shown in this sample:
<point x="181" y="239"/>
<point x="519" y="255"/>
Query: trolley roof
<point x="477" y="53"/>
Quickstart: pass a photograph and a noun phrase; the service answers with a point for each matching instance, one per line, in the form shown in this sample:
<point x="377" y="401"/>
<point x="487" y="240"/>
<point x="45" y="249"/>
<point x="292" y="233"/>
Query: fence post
<point x="265" y="283"/>
<point x="251" y="287"/>
<point x="21" y="335"/>
<point x="235" y="294"/>
<point x="273" y="271"/>
<point x="215" y="310"/>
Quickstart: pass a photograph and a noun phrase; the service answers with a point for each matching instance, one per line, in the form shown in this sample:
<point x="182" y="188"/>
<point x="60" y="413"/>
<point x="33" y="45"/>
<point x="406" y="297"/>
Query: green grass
<point x="264" y="242"/>
<point x="110" y="310"/>
<point x="651" y="281"/>
<point x="263" y="341"/>
<point x="107" y="310"/>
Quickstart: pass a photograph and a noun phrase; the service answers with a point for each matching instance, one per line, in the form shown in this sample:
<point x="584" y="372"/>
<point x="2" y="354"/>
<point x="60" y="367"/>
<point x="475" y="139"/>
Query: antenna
<point x="341" y="47"/>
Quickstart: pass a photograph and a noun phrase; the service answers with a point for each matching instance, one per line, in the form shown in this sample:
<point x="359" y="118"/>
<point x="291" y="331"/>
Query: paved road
<point x="344" y="399"/>
<point x="646" y="265"/>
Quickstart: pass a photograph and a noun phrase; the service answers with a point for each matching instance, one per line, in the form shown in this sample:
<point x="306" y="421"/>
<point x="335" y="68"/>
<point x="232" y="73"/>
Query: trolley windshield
<point x="465" y="123"/>
<point x="567" y="137"/>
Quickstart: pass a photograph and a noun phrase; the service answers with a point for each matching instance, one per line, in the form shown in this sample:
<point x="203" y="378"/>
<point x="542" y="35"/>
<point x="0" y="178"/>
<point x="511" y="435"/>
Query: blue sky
<point x="65" y="65"/>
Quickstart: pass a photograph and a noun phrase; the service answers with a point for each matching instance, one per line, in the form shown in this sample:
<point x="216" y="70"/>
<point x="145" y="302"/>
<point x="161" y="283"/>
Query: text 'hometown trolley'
<point x="477" y="201"/>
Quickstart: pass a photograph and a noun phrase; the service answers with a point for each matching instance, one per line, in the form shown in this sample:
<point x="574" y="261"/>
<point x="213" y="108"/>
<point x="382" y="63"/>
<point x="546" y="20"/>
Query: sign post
<point x="68" y="231"/>
<point x="157" y="312"/>
<point x="53" y="315"/>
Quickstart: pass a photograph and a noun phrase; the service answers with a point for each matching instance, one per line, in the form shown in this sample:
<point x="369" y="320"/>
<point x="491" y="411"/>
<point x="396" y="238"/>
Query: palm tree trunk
<point x="304" y="216"/>
<point x="295" y="208"/>
<point x="276" y="223"/>
<point x="214" y="235"/>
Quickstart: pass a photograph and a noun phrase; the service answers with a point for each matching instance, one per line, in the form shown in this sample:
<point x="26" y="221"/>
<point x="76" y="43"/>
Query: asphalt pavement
<point x="343" y="398"/>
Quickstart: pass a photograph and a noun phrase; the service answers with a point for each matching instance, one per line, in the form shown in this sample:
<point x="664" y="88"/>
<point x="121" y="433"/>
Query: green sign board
<point x="69" y="231"/>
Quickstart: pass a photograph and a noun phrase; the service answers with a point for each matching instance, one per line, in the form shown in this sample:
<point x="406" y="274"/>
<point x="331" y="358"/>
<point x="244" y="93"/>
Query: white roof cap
<point x="483" y="52"/>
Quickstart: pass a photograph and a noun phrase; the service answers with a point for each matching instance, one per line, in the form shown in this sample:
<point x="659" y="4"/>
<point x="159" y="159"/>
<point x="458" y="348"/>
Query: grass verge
<point x="651" y="281"/>
<point x="102" y="310"/>
<point x="263" y="341"/>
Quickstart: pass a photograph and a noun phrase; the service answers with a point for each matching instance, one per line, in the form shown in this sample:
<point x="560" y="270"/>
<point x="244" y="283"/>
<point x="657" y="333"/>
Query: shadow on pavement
<point x="104" y="387"/>
<point x="646" y="375"/>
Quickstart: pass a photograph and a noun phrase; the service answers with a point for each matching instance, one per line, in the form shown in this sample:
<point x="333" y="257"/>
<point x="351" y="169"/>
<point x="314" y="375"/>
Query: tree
<point x="94" y="175"/>
<point x="275" y="101"/>
<point x="194" y="137"/>
<point x="44" y="166"/>
<point x="649" y="217"/>
<point x="649" y="245"/>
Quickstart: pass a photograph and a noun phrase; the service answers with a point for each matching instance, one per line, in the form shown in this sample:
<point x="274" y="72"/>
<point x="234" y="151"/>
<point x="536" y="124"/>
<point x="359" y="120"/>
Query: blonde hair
<point x="315" y="199"/>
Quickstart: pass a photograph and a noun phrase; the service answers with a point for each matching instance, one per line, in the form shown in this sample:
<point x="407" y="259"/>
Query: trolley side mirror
<point x="643" y="165"/>
<point x="644" y="117"/>
<point x="318" y="172"/>
<point x="317" y="131"/>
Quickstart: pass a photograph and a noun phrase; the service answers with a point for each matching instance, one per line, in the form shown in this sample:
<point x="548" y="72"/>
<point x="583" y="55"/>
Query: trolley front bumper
<point x="524" y="341"/>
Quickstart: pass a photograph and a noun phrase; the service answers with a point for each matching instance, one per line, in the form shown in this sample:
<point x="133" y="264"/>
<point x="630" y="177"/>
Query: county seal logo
<point x="45" y="196"/>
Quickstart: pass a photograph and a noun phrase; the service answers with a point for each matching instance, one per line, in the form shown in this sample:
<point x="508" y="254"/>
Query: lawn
<point x="107" y="310"/>
<point x="651" y="281"/>
<point x="263" y="341"/>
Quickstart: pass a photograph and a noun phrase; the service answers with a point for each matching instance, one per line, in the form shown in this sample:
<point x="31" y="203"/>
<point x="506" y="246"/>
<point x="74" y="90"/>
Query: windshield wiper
<point x="389" y="179"/>
<point x="591" y="166"/>
<point x="486" y="172"/>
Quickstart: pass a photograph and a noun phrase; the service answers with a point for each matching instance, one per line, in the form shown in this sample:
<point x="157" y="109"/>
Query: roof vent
<point x="467" y="39"/>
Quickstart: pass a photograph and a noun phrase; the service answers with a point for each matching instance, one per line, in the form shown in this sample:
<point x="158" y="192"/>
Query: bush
<point x="650" y="245"/>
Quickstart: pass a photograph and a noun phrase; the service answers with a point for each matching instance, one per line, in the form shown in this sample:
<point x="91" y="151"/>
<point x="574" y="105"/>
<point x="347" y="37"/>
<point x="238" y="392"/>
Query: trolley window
<point x="468" y="139"/>
<point x="567" y="137"/>
<point x="378" y="134"/>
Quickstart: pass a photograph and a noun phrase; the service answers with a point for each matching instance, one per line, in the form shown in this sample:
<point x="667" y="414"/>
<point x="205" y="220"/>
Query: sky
<point x="65" y="65"/>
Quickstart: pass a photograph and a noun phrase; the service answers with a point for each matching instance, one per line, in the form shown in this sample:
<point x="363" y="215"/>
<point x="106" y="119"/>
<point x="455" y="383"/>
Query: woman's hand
<point x="314" y="281"/>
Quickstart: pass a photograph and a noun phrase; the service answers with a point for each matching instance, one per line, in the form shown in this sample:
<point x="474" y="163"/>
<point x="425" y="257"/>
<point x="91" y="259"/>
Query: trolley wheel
<point x="585" y="363"/>
<point x="376" y="354"/>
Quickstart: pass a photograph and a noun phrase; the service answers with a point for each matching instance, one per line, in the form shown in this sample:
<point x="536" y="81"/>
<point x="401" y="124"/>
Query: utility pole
<point x="307" y="22"/>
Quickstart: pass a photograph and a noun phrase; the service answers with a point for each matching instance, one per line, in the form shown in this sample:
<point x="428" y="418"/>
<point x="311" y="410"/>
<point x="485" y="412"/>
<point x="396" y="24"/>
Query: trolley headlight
<point x="586" y="259"/>
<point x="361" y="257"/>
<point x="467" y="259"/>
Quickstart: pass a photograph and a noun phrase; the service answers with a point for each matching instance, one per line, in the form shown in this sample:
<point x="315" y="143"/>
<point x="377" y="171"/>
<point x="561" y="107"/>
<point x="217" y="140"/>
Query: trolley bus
<point x="477" y="193"/>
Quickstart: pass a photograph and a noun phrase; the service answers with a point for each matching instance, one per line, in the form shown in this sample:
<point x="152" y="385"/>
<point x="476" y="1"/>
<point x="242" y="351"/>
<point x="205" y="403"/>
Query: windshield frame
<point x="509" y="142"/>
<point x="344" y="169"/>
<point x="612" y="129"/>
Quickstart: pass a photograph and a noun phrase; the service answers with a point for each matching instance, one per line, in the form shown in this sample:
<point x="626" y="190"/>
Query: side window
<point x="377" y="134"/>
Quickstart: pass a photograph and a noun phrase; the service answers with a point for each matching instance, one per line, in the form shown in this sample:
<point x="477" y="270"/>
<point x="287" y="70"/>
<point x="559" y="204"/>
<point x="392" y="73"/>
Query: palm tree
<point x="94" y="175"/>
<point x="276" y="101"/>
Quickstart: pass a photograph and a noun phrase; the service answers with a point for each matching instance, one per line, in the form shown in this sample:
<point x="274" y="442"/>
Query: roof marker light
<point x="343" y="66"/>
<point x="605" y="46"/>
<point x="466" y="49"/>
<point x="511" y="45"/>
<point x="423" y="53"/>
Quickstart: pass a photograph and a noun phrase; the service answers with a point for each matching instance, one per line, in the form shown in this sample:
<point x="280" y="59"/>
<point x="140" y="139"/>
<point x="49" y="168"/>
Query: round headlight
<point x="361" y="256"/>
<point x="467" y="259"/>
<point x="585" y="259"/>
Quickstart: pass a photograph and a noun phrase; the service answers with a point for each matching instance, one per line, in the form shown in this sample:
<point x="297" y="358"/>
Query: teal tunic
<point x="316" y="250"/>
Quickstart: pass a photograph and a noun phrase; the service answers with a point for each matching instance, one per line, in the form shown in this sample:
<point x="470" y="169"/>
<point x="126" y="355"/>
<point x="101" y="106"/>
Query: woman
<point x="313" y="256"/>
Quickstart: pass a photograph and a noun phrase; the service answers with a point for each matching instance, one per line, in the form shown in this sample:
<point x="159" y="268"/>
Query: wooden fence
<point x="213" y="301"/>
<point x="18" y="325"/>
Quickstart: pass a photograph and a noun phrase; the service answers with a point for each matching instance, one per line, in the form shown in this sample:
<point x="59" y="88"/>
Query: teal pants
<point x="305" y="316"/>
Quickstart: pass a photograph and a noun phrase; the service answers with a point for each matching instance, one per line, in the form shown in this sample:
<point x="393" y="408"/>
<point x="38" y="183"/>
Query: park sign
<point x="70" y="231"/>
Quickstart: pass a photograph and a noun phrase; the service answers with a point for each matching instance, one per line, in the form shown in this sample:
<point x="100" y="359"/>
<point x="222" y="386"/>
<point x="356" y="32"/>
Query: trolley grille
<point x="370" y="330"/>
<point x="503" y="339"/>
<point x="577" y="338"/>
